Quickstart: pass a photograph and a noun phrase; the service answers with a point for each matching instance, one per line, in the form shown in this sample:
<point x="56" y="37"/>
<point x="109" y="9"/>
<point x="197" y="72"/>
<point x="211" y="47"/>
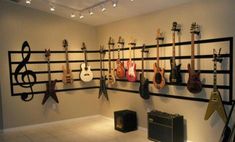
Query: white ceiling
<point x="125" y="9"/>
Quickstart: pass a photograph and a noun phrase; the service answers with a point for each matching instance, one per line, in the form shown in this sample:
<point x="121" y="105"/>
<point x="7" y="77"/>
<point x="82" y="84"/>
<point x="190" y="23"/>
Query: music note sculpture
<point x="28" y="77"/>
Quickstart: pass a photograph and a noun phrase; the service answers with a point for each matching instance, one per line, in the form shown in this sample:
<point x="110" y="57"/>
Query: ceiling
<point x="125" y="8"/>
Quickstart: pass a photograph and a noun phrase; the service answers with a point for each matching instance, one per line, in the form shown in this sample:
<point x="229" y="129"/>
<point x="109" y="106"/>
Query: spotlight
<point x="72" y="15"/>
<point x="131" y="0"/>
<point x="114" y="3"/>
<point x="81" y="16"/>
<point x="103" y="9"/>
<point x="91" y="12"/>
<point x="28" y="1"/>
<point x="52" y="8"/>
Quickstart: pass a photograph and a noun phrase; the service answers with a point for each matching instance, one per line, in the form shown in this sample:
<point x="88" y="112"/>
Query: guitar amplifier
<point x="125" y="120"/>
<point x="164" y="127"/>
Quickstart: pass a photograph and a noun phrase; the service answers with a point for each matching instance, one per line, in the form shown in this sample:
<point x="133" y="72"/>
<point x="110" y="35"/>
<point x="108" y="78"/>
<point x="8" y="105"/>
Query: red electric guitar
<point x="120" y="70"/>
<point x="131" y="66"/>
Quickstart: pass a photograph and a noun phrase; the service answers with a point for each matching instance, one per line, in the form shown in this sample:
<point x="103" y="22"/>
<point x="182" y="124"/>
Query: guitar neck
<point x="157" y="52"/>
<point x="49" y="72"/>
<point x="173" y="47"/>
<point x="85" y="57"/>
<point x="215" y="76"/>
<point x="109" y="60"/>
<point x="130" y="55"/>
<point x="67" y="59"/>
<point x="142" y="61"/>
<point x="113" y="56"/>
<point x="192" y="51"/>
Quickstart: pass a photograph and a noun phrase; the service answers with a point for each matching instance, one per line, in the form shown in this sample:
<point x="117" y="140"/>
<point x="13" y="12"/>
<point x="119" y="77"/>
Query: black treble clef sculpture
<point x="27" y="74"/>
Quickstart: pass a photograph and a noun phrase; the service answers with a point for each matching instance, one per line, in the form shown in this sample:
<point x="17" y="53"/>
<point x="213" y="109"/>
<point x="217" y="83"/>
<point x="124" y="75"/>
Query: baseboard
<point x="49" y="123"/>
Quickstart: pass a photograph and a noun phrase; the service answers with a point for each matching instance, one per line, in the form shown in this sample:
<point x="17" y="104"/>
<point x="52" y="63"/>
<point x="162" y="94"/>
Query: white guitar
<point x="86" y="75"/>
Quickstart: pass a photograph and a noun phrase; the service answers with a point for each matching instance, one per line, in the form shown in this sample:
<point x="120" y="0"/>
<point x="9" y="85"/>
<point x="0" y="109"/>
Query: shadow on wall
<point x="1" y="117"/>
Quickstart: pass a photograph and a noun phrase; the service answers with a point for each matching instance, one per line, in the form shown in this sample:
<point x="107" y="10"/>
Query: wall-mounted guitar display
<point x="67" y="73"/>
<point x="86" y="74"/>
<point x="194" y="84"/>
<point x="158" y="78"/>
<point x="175" y="75"/>
<point x="29" y="77"/>
<point x="50" y="87"/>
<point x="111" y="71"/>
<point x="144" y="82"/>
<point x="120" y="71"/>
<point x="215" y="103"/>
<point x="131" y="66"/>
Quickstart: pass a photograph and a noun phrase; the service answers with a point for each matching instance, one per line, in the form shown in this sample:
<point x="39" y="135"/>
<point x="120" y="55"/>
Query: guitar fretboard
<point x="192" y="51"/>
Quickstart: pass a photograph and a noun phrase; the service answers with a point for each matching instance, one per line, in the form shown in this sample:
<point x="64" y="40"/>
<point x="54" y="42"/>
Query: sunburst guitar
<point x="67" y="73"/>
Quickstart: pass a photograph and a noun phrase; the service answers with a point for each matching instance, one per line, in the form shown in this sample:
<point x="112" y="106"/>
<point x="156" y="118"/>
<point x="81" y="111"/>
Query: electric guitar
<point x="215" y="102"/>
<point x="67" y="73"/>
<point x="158" y="79"/>
<point x="103" y="88"/>
<point x="194" y="84"/>
<point x="131" y="66"/>
<point x="144" y="83"/>
<point x="50" y="86"/>
<point x="120" y="70"/>
<point x="86" y="75"/>
<point x="175" y="75"/>
<point x="111" y="72"/>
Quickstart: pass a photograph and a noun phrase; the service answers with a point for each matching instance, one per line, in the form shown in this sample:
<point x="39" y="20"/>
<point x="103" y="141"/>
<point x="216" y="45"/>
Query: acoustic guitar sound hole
<point x="158" y="78"/>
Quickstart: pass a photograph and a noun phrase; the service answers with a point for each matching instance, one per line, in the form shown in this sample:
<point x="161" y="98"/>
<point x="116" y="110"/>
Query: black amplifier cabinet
<point x="125" y="120"/>
<point x="164" y="127"/>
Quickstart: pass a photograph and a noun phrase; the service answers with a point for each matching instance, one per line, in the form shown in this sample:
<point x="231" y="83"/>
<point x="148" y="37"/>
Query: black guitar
<point x="50" y="87"/>
<point x="103" y="87"/>
<point x="175" y="75"/>
<point x="144" y="83"/>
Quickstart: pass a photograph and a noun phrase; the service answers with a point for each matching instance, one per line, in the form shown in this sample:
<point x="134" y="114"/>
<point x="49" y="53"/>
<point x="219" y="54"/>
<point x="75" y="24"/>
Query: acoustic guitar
<point x="144" y="83"/>
<point x="111" y="71"/>
<point x="131" y="66"/>
<point x="215" y="102"/>
<point x="194" y="84"/>
<point x="67" y="73"/>
<point x="158" y="79"/>
<point x="86" y="74"/>
<point x="120" y="70"/>
<point x="50" y="86"/>
<point x="175" y="75"/>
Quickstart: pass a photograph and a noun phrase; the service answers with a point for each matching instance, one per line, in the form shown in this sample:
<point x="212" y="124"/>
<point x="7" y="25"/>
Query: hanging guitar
<point x="227" y="132"/>
<point x="158" y="79"/>
<point x="111" y="71"/>
<point x="50" y="87"/>
<point x="144" y="83"/>
<point x="86" y="74"/>
<point x="120" y="70"/>
<point x="215" y="102"/>
<point x="194" y="84"/>
<point x="67" y="73"/>
<point x="103" y="88"/>
<point x="131" y="66"/>
<point x="175" y="75"/>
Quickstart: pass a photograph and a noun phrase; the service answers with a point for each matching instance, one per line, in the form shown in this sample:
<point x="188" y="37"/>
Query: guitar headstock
<point x="65" y="43"/>
<point x="144" y="49"/>
<point x="132" y="42"/>
<point x="102" y="51"/>
<point x="121" y="40"/>
<point x="176" y="27"/>
<point x="159" y="35"/>
<point x="83" y="46"/>
<point x="195" y="28"/>
<point x="216" y="56"/>
<point x="111" y="41"/>
<point x="47" y="53"/>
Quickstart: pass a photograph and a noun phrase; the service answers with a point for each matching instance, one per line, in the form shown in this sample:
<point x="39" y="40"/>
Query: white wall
<point x="43" y="30"/>
<point x="216" y="18"/>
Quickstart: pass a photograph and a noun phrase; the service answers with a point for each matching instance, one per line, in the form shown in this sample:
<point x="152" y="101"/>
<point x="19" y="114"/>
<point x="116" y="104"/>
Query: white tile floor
<point x="94" y="129"/>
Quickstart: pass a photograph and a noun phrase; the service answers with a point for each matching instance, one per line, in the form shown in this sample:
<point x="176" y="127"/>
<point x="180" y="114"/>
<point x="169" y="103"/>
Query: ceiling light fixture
<point x="114" y="3"/>
<point x="103" y="9"/>
<point x="72" y="15"/>
<point x="81" y="16"/>
<point x="52" y="8"/>
<point x="28" y="1"/>
<point x="91" y="12"/>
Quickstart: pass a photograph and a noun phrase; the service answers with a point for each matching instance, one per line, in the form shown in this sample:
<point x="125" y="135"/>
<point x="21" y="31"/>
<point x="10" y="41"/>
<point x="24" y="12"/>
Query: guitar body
<point x="131" y="71"/>
<point x="144" y="88"/>
<point x="86" y="75"/>
<point x="111" y="77"/>
<point x="194" y="84"/>
<point x="67" y="76"/>
<point x="175" y="75"/>
<point x="120" y="71"/>
<point x="50" y="92"/>
<point x="158" y="79"/>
